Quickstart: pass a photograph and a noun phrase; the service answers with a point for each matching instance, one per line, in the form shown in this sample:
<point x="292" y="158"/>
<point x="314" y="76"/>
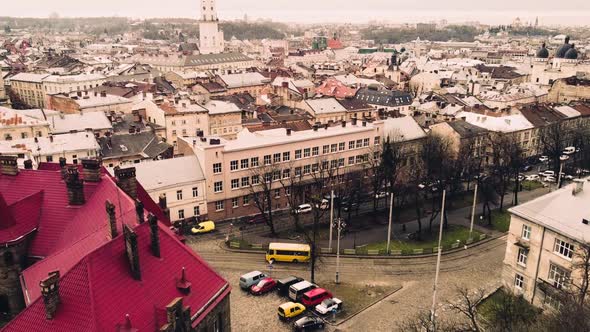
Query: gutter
<point x="537" y="269"/>
<point x="211" y="300"/>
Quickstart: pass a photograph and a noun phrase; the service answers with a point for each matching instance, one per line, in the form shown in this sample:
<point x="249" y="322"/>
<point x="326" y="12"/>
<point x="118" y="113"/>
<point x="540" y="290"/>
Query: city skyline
<point x="574" y="12"/>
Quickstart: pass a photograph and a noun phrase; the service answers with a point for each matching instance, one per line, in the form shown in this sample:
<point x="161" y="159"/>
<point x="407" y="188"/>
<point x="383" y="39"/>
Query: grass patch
<point x="531" y="185"/>
<point x="500" y="220"/>
<point x="428" y="241"/>
<point x="500" y="302"/>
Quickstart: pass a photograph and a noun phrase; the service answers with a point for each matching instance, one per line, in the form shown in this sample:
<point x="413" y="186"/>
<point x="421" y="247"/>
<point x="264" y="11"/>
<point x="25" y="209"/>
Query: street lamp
<point x="340" y="224"/>
<point x="389" y="227"/>
<point x="331" y="219"/>
<point x="473" y="210"/>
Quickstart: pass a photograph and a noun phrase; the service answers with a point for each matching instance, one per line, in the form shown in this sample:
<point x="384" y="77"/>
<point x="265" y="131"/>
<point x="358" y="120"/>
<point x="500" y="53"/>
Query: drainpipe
<point x="537" y="269"/>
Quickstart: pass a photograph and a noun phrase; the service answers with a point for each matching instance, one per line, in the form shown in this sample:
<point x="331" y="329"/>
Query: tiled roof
<point x="20" y="218"/>
<point x="211" y="59"/>
<point x="97" y="293"/>
<point x="384" y="97"/>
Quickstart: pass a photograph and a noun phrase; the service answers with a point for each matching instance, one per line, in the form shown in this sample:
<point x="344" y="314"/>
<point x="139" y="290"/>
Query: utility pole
<point x="331" y="219"/>
<point x="559" y="177"/>
<point x="389" y="227"/>
<point x="473" y="210"/>
<point x="340" y="225"/>
<point x="442" y="212"/>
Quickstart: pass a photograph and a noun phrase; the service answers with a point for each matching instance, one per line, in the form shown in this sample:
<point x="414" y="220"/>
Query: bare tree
<point x="260" y="189"/>
<point x="436" y="157"/>
<point x="507" y="159"/>
<point x="552" y="141"/>
<point x="467" y="306"/>
<point x="294" y="187"/>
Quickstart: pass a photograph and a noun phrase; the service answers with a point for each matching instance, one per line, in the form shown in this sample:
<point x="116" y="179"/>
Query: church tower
<point x="210" y="37"/>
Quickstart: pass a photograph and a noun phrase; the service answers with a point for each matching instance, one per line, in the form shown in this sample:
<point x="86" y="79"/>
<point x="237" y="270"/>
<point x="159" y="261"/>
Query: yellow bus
<point x="288" y="252"/>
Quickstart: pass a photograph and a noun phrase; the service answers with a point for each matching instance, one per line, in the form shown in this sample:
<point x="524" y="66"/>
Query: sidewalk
<point x="369" y="228"/>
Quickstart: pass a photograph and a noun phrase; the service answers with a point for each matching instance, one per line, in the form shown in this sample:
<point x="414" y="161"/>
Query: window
<point x="366" y="142"/>
<point x="552" y="301"/>
<point x="558" y="275"/>
<point x="218" y="186"/>
<point x="315" y="167"/>
<point x="195" y="191"/>
<point x="315" y="151"/>
<point x="244" y="163"/>
<point x="276" y="175"/>
<point x="197" y="211"/>
<point x="235" y="183"/>
<point x="526" y="232"/>
<point x="286" y="173"/>
<point x="246" y="200"/>
<point x="267" y="159"/>
<point x="267" y="177"/>
<point x="333" y="148"/>
<point x="522" y="257"/>
<point x="254" y="161"/>
<point x="245" y="181"/>
<point x="333" y="163"/>
<point x="235" y="202"/>
<point x="351" y="160"/>
<point x="297" y="154"/>
<point x="179" y="195"/>
<point x="49" y="159"/>
<point x="219" y="206"/>
<point x="216" y="168"/>
<point x="359" y="143"/>
<point x="326" y="149"/>
<point x="519" y="281"/>
<point x="563" y="248"/>
<point x="181" y="214"/>
<point x="325" y="164"/>
<point x="286" y="156"/>
<point x="306" y="169"/>
<point x="276" y="158"/>
<point x="288" y="191"/>
<point x="341" y="146"/>
<point x="297" y="171"/>
<point x="174" y="133"/>
<point x="377" y="140"/>
<point x="351" y="145"/>
<point x="233" y="165"/>
<point x="277" y="193"/>
<point x="255" y="179"/>
<point x="341" y="162"/>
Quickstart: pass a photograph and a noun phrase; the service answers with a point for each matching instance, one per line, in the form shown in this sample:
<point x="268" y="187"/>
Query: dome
<point x="560" y="53"/>
<point x="543" y="52"/>
<point x="571" y="54"/>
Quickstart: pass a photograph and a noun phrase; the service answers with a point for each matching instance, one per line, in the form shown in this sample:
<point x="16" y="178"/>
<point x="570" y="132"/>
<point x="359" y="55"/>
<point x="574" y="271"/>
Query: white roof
<point x="505" y="124"/>
<point x="325" y="106"/>
<point x="567" y="111"/>
<point x="560" y="211"/>
<point x="37" y="113"/>
<point x="244" y="79"/>
<point x="97" y="101"/>
<point x="156" y="175"/>
<point x="402" y="129"/>
<point x="64" y="123"/>
<point x="29" y="77"/>
<point x="74" y="78"/>
<point x="12" y="118"/>
<point x="82" y="141"/>
<point x="350" y="79"/>
<point x="221" y="107"/>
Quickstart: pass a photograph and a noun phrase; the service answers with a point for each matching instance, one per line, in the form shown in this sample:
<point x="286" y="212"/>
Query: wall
<point x="187" y="203"/>
<point x="220" y="315"/>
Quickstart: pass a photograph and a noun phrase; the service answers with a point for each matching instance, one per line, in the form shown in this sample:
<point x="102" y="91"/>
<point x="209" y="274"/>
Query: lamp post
<point x="331" y="219"/>
<point x="442" y="213"/>
<point x="389" y="227"/>
<point x="473" y="210"/>
<point x="340" y="224"/>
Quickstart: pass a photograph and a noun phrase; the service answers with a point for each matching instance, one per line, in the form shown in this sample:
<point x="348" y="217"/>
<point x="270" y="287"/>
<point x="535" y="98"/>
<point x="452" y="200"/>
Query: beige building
<point x="325" y="110"/>
<point x="29" y="88"/>
<point x="222" y="62"/>
<point x="543" y="244"/>
<point x="14" y="126"/>
<point x="569" y="89"/>
<point x="225" y="119"/>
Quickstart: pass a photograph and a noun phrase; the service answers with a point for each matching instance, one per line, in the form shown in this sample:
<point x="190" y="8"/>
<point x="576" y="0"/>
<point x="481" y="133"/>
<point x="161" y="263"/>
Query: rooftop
<point x="64" y="123"/>
<point x="325" y="106"/>
<point x="402" y="129"/>
<point x="244" y="79"/>
<point x="13" y="118"/>
<point x="58" y="144"/>
<point x="178" y="171"/>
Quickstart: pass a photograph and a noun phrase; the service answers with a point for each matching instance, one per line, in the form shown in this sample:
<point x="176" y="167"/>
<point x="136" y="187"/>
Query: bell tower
<point x="210" y="37"/>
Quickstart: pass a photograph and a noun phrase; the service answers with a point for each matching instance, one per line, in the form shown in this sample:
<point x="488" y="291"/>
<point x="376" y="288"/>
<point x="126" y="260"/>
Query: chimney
<point x="62" y="166"/>
<point x="326" y="126"/>
<point x="28" y="164"/>
<point x="353" y="121"/>
<point x="364" y="123"/>
<point x="51" y="138"/>
<point x="139" y="211"/>
<point x="131" y="251"/>
<point x="75" y="186"/>
<point x="183" y="285"/>
<point x="285" y="84"/>
<point x="50" y="293"/>
<point x="103" y="94"/>
<point x="343" y="124"/>
<point x="579" y="186"/>
<point x="288" y="131"/>
<point x="154" y="235"/>
<point x="315" y="127"/>
<point x="126" y="180"/>
<point x="163" y="205"/>
<point x="91" y="169"/>
<point x="8" y="165"/>
<point x="110" y="207"/>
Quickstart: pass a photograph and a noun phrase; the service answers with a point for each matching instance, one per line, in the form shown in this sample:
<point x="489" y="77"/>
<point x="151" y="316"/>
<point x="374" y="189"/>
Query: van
<point x="204" y="227"/>
<point x="288" y="252"/>
<point x="297" y="290"/>
<point x="303" y="208"/>
<point x="284" y="284"/>
<point x="290" y="310"/>
<point x="251" y="278"/>
<point x="315" y="297"/>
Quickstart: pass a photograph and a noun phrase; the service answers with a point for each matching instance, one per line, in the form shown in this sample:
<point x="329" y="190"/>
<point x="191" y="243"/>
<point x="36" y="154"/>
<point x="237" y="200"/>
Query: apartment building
<point x="233" y="168"/>
<point x="63" y="84"/>
<point x="14" y="125"/>
<point x="29" y="88"/>
<point x="544" y="242"/>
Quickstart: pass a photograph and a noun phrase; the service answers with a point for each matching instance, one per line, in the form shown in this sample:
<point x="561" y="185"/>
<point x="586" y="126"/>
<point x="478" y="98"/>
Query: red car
<point x="263" y="286"/>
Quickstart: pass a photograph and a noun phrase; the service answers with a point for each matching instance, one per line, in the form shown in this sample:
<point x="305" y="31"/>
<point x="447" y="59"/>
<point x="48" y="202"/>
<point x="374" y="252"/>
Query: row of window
<point x="196" y="212"/>
<point x="275" y="158"/>
<point x="179" y="193"/>
<point x="245" y="200"/>
<point x="561" y="247"/>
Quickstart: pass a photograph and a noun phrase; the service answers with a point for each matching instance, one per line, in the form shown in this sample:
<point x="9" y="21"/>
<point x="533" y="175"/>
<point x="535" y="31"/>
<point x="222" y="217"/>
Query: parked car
<point x="309" y="323"/>
<point x="259" y="218"/>
<point x="564" y="157"/>
<point x="547" y="173"/>
<point x="381" y="194"/>
<point x="569" y="177"/>
<point x="297" y="290"/>
<point x="263" y="286"/>
<point x="349" y="206"/>
<point x="521" y="177"/>
<point x="533" y="177"/>
<point x="303" y="208"/>
<point x="315" y="296"/>
<point x="251" y="278"/>
<point x="543" y="159"/>
<point x="290" y="310"/>
<point x="551" y="179"/>
<point x="324" y="204"/>
<point x="329" y="305"/>
<point x="284" y="284"/>
<point x="203" y="227"/>
<point x="569" y="150"/>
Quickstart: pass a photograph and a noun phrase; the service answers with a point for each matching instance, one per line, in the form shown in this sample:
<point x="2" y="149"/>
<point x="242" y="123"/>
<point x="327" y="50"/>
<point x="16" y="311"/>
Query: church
<point x="546" y="69"/>
<point x="210" y="37"/>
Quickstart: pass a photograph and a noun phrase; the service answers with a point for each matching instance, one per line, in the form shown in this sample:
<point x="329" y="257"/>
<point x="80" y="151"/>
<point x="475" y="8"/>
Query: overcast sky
<point x="488" y="11"/>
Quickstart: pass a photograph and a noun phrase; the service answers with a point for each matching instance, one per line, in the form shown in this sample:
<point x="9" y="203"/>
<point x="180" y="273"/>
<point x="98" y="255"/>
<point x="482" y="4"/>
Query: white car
<point x="533" y="177"/>
<point x="547" y="173"/>
<point x="543" y="159"/>
<point x="564" y="157"/>
<point x="380" y="194"/>
<point x="324" y="204"/>
<point x="551" y="179"/>
<point x="569" y="150"/>
<point x="303" y="208"/>
<point x="329" y="305"/>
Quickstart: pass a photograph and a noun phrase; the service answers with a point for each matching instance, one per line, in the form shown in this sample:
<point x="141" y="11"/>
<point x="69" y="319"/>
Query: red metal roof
<point x="99" y="290"/>
<point x="20" y="218"/>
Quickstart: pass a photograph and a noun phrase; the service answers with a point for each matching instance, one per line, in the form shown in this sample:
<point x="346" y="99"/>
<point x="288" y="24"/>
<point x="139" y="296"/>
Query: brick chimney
<point x="91" y="169"/>
<point x="183" y="285"/>
<point x="154" y="235"/>
<point x="132" y="252"/>
<point x="139" y="211"/>
<point x="163" y="205"/>
<point x="8" y="165"/>
<point x="178" y="317"/>
<point x="50" y="293"/>
<point x="62" y="166"/>
<point x="126" y="180"/>
<point x="75" y="186"/>
<point x="110" y="207"/>
<point x="28" y="164"/>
